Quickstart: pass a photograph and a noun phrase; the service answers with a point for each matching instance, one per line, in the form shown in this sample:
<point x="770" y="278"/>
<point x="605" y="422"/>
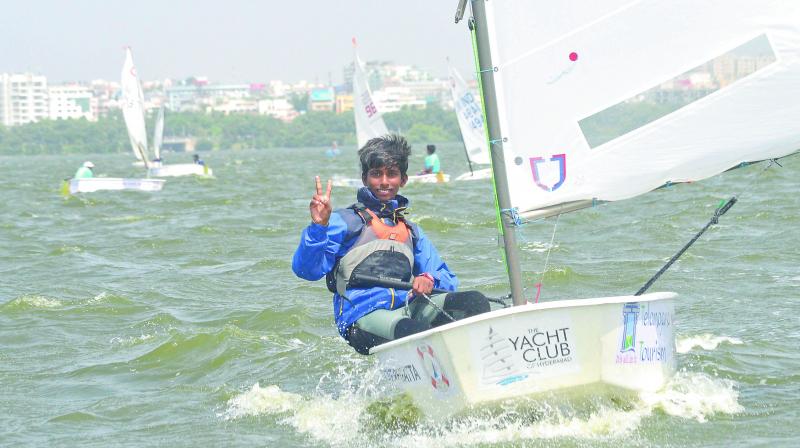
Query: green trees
<point x="219" y="131"/>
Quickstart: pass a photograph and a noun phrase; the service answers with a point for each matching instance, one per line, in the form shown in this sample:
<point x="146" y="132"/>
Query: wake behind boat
<point x="545" y="70"/>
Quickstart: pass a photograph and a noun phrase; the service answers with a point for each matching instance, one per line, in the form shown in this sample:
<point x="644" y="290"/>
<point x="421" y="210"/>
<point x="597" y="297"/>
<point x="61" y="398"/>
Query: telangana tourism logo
<point x="646" y="334"/>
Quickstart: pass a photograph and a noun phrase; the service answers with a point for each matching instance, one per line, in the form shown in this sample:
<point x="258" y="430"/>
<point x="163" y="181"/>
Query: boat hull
<point x="485" y="173"/>
<point x="93" y="184"/>
<point x="180" y="169"/>
<point x="438" y="178"/>
<point x="624" y="342"/>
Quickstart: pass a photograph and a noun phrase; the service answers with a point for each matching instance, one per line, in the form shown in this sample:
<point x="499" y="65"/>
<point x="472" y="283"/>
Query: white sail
<point x="369" y="120"/>
<point x="560" y="65"/>
<point x="470" y="119"/>
<point x="158" y="134"/>
<point x="133" y="108"/>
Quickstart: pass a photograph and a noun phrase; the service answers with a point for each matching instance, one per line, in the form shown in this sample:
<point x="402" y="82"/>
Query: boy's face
<point x="384" y="182"/>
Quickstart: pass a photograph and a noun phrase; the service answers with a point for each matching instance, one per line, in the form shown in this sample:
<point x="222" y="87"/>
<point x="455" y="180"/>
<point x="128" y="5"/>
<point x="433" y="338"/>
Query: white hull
<point x="180" y="169"/>
<point x="429" y="179"/>
<point x="485" y="173"/>
<point x="93" y="184"/>
<point x="534" y="349"/>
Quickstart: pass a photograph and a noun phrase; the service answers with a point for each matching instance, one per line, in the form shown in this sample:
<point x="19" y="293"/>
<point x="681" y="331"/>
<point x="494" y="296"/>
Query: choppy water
<point x="173" y="318"/>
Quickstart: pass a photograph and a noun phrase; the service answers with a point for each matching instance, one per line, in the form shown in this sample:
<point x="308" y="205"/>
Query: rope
<point x="546" y="261"/>
<point x="721" y="210"/>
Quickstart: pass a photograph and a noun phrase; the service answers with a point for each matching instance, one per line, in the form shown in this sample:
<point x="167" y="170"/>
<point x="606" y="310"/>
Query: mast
<point x="502" y="197"/>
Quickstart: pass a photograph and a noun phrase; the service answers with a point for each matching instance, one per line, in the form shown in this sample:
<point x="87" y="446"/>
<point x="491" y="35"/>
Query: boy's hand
<point x="320" y="206"/>
<point x="423" y="284"/>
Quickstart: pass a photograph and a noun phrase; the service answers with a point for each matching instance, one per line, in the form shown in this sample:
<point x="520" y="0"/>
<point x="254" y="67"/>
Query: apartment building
<point x="23" y="98"/>
<point x="72" y="101"/>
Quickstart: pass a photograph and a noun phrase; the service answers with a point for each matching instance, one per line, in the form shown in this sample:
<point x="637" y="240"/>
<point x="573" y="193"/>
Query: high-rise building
<point x="23" y="98"/>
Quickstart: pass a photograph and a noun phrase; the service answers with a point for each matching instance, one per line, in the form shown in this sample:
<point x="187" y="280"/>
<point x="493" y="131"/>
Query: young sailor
<point x="373" y="238"/>
<point x="432" y="164"/>
<point x="85" y="171"/>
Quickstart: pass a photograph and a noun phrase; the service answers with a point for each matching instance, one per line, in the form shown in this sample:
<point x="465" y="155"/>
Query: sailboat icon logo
<point x="562" y="171"/>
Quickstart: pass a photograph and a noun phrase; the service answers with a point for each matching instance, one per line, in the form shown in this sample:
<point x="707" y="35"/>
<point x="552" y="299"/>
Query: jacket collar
<point x="382" y="209"/>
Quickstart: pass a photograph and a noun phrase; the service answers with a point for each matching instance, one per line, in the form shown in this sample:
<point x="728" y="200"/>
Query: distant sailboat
<point x="369" y="122"/>
<point x="471" y="124"/>
<point x="133" y="113"/>
<point x="160" y="169"/>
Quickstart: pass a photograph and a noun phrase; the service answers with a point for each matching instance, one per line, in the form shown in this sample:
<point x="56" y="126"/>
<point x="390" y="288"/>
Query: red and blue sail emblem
<point x="562" y="170"/>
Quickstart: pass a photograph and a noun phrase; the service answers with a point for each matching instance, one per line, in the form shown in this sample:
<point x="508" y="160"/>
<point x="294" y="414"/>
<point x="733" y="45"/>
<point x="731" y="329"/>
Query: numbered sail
<point x="158" y="133"/>
<point x="470" y="119"/>
<point x="369" y="121"/>
<point x="609" y="100"/>
<point x="133" y="108"/>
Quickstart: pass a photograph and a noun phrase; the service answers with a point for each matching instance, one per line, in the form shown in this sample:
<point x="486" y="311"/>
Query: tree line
<point x="218" y="131"/>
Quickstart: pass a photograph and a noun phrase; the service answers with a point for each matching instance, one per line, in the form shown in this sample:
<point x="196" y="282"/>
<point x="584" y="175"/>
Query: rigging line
<point x="547" y="257"/>
<point x="721" y="210"/>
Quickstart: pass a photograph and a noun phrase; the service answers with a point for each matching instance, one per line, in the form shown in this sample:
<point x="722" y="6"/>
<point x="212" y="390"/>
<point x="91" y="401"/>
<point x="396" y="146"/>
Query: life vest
<point x="380" y="250"/>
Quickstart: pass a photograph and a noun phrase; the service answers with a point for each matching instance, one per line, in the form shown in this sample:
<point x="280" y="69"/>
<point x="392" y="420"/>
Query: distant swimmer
<point x="333" y="151"/>
<point x="85" y="171"/>
<point x="432" y="164"/>
<point x="198" y="160"/>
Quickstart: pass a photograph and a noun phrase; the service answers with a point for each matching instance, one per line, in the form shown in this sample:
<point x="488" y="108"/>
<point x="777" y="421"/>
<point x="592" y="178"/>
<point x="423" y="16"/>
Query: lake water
<point x="173" y="318"/>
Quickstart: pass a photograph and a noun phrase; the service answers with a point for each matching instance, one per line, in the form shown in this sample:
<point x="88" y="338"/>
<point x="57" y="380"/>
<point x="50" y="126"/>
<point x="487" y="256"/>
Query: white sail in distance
<point x="470" y="119"/>
<point x="158" y="134"/>
<point x="369" y="120"/>
<point x="559" y="66"/>
<point x="133" y="108"/>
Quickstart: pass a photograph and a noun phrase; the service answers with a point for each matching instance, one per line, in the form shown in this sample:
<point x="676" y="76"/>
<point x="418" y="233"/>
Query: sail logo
<point x="538" y="165"/>
<point x="470" y="110"/>
<point x="439" y="380"/>
<point x="369" y="106"/>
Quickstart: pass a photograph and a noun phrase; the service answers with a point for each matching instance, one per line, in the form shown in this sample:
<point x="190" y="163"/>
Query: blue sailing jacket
<point x="321" y="246"/>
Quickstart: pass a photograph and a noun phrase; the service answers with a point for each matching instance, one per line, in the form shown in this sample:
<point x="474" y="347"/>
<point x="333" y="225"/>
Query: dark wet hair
<point x="390" y="151"/>
<point x="431" y="149"/>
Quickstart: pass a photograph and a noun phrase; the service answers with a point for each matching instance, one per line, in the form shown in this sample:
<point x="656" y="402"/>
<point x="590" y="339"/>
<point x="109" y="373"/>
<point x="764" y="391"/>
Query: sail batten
<point x="560" y="63"/>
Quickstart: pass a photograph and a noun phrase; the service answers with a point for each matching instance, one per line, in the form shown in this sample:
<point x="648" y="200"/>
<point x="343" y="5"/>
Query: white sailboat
<point x="369" y="120"/>
<point x="470" y="122"/>
<point x="133" y="113"/>
<point x="547" y="68"/>
<point x="159" y="169"/>
<point x="369" y="123"/>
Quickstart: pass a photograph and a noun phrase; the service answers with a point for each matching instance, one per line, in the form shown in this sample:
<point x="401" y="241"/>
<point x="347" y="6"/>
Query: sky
<point x="230" y="41"/>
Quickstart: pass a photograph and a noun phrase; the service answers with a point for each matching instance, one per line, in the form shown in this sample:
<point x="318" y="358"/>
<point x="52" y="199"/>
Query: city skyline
<point x="242" y="42"/>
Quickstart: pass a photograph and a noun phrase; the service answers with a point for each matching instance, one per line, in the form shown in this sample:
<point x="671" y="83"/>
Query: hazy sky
<point x="228" y="41"/>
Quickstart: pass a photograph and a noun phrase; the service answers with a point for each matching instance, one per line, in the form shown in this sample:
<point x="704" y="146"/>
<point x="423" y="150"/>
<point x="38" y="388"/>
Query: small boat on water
<point x="157" y="168"/>
<point x="133" y="114"/>
<point x="470" y="123"/>
<point x="547" y="72"/>
<point x="92" y="184"/>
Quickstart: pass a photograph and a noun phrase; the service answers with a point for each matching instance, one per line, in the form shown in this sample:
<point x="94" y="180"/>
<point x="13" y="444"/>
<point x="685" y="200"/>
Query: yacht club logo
<point x="561" y="159"/>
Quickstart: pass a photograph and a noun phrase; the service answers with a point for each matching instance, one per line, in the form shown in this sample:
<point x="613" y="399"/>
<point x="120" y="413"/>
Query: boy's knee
<point x="408" y="326"/>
